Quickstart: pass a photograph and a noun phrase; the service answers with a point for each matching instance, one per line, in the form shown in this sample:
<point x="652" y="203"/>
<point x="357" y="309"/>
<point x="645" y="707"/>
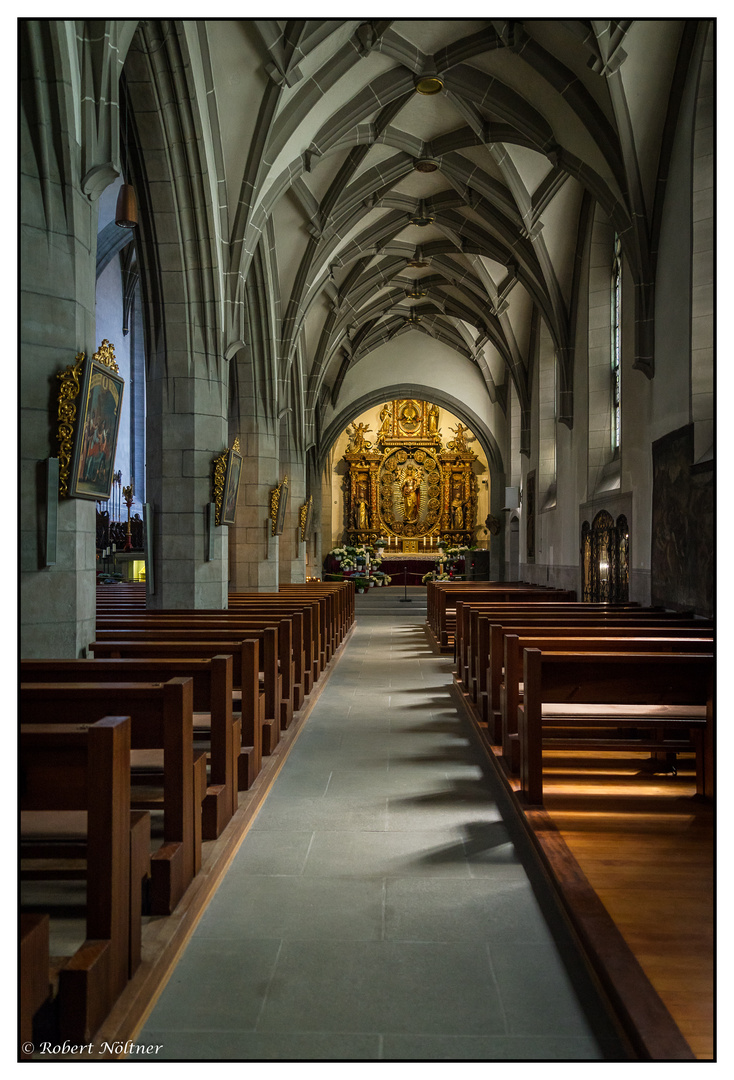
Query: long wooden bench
<point x="626" y="641"/>
<point x="214" y="720"/>
<point x="85" y="768"/>
<point x="275" y="636"/>
<point x="481" y="680"/>
<point x="167" y="774"/>
<point x="227" y="637"/>
<point x="248" y="695"/>
<point x="443" y="611"/>
<point x="468" y="648"/>
<point x="572" y="700"/>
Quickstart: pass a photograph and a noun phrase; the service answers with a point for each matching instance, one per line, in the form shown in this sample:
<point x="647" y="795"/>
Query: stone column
<point x="292" y="554"/>
<point x="187" y="429"/>
<point x="62" y="173"/>
<point x="253" y="550"/>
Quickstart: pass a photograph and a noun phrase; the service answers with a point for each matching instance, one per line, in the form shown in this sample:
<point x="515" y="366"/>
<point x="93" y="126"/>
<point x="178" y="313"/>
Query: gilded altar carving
<point x="407" y="485"/>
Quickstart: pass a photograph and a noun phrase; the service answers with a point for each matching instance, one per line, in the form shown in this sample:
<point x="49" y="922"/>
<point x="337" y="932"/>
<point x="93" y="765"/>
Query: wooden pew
<point x="248" y="696"/>
<point x="443" y="620"/>
<point x="227" y="638"/>
<point x="35" y="981"/>
<point x="161" y="716"/>
<point x="467" y="647"/>
<point x="632" y="693"/>
<point x="628" y="640"/>
<point x="86" y="767"/>
<point x="213" y="715"/>
<point x="283" y="665"/>
<point x="473" y="673"/>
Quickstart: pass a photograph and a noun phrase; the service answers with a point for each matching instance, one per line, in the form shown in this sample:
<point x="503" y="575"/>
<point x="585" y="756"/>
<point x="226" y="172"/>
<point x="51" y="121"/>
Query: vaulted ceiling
<point x="437" y="178"/>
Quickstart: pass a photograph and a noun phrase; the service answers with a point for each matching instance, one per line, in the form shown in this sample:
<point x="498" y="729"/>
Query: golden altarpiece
<point x="406" y="486"/>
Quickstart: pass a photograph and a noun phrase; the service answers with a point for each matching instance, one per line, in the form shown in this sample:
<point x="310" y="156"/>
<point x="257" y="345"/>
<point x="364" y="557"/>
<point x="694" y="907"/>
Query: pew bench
<point x="491" y="628"/>
<point x="634" y="694"/>
<point x="468" y="647"/>
<point x="214" y="720"/>
<point x="628" y="640"/>
<point x="271" y="640"/>
<point x="248" y="695"/>
<point x="443" y="619"/>
<point x="167" y="775"/>
<point x="82" y="769"/>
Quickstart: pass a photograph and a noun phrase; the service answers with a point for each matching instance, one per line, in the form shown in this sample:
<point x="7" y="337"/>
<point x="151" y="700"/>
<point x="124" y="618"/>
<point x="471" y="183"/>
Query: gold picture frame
<point x="89" y="410"/>
<point x="278" y="504"/>
<point x="227" y="475"/>
<point x="304" y="517"/>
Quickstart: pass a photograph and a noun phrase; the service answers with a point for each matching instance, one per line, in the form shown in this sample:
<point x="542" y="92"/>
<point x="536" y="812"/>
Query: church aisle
<point x="377" y="908"/>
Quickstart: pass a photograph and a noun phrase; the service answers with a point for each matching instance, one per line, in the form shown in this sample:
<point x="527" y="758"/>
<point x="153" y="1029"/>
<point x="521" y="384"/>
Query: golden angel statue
<point x="357" y="438"/>
<point x="459" y="442"/>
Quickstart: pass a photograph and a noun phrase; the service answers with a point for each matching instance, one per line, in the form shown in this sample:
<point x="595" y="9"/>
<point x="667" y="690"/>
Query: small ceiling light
<point x="426" y="165"/>
<point x="418" y="263"/>
<point x="431" y="84"/>
<point x="413" y="318"/>
<point x="421" y="217"/>
<point x="126" y="212"/>
<point x="416" y="294"/>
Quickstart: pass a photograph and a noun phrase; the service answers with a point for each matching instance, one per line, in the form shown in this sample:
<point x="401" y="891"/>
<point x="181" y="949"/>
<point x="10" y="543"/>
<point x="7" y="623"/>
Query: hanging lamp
<point x="126" y="211"/>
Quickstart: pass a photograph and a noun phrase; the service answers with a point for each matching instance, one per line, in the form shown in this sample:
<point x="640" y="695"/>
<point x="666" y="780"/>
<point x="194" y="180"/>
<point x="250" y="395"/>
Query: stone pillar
<point x="292" y="553"/>
<point x="253" y="550"/>
<point x="187" y="429"/>
<point x="58" y="244"/>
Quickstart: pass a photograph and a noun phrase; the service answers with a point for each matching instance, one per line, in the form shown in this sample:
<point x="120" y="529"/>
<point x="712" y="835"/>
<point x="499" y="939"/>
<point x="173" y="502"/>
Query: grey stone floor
<point x="378" y="909"/>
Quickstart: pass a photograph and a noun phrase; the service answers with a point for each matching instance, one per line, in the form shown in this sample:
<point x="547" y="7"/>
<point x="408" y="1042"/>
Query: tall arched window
<point x="616" y="345"/>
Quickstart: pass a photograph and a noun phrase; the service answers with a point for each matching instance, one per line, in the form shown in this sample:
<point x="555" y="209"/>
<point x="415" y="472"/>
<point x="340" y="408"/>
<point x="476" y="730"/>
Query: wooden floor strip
<point x="631" y="855"/>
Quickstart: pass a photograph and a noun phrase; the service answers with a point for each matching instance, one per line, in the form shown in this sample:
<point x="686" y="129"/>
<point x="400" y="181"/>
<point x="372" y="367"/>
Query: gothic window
<point x="616" y="345"/>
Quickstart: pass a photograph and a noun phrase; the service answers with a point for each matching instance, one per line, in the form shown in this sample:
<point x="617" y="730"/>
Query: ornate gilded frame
<point x="89" y="409"/>
<point x="227" y="473"/>
<point x="278" y="504"/>
<point x="304" y="517"/>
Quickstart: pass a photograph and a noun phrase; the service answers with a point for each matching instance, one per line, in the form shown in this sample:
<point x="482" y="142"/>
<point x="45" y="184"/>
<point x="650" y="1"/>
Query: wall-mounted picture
<point x="305" y="515"/>
<point x="278" y="505"/>
<point x="231" y="487"/>
<point x="98" y="422"/>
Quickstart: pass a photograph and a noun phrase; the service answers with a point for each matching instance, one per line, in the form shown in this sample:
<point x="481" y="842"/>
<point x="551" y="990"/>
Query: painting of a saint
<point x="99" y="422"/>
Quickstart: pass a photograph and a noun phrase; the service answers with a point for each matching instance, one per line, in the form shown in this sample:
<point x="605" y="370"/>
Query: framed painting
<point x="304" y="517"/>
<point x="278" y="506"/>
<point x="231" y="487"/>
<point x="97" y="427"/>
